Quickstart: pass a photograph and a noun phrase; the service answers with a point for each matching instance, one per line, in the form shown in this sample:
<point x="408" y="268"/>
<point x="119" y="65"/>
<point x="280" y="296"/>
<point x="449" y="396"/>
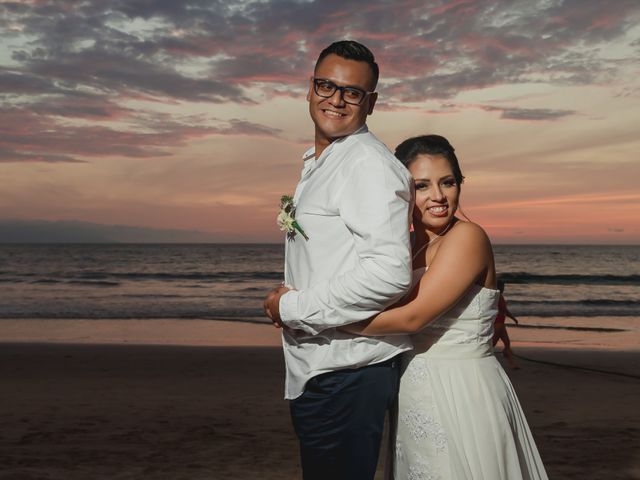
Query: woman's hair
<point x="409" y="150"/>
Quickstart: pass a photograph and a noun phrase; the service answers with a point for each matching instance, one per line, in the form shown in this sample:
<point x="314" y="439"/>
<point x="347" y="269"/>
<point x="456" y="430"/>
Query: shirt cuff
<point x="289" y="312"/>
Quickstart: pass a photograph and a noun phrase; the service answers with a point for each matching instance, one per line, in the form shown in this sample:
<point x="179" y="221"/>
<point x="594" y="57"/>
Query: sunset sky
<point x="192" y="114"/>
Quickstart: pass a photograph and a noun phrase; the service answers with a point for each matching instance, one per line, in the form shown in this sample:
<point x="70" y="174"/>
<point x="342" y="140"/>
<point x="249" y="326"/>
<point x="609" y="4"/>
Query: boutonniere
<point x="287" y="218"/>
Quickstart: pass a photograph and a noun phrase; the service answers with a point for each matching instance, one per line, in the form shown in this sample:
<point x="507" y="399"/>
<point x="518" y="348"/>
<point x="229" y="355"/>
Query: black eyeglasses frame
<point x="337" y="88"/>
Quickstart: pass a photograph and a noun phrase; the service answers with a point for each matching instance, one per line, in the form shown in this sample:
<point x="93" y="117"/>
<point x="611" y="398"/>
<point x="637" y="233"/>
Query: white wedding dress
<point x="458" y="415"/>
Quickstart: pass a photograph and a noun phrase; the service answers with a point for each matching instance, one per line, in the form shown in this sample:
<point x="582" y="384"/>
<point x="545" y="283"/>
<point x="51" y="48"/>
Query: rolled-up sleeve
<point x="374" y="205"/>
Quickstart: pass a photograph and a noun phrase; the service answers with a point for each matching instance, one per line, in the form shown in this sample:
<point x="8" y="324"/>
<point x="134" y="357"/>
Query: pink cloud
<point x="426" y="52"/>
<point x="457" y="6"/>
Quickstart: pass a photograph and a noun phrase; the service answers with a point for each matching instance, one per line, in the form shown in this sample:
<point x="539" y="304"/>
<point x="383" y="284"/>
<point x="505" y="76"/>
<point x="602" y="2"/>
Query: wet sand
<point x="191" y="404"/>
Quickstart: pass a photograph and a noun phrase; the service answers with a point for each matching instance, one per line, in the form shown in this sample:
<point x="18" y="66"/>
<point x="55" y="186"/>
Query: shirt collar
<point x="311" y="152"/>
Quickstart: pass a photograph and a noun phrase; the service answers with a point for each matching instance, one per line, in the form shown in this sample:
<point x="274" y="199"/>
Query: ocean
<point x="225" y="281"/>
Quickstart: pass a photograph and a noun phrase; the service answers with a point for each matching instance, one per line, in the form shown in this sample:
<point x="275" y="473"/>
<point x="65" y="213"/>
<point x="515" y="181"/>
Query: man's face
<point x="333" y="117"/>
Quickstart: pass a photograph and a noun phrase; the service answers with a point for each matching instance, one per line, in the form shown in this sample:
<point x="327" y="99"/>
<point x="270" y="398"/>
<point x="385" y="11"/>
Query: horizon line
<point x="579" y="244"/>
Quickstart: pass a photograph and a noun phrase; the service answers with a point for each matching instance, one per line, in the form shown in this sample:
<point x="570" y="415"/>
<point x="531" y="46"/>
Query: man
<point x="353" y="203"/>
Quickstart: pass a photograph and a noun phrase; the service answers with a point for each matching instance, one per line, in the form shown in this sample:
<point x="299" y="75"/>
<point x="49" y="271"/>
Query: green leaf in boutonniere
<point x="286" y="219"/>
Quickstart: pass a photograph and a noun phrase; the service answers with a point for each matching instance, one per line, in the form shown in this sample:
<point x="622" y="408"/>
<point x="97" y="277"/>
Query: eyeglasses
<point x="326" y="89"/>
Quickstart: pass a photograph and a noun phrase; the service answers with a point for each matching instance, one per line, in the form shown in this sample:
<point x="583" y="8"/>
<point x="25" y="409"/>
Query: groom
<point x="352" y="202"/>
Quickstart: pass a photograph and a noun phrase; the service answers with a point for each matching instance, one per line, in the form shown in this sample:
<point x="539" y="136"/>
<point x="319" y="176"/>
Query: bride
<point x="458" y="415"/>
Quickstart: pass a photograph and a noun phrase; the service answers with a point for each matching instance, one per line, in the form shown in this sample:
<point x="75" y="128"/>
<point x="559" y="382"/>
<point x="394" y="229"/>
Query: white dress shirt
<point x="354" y="203"/>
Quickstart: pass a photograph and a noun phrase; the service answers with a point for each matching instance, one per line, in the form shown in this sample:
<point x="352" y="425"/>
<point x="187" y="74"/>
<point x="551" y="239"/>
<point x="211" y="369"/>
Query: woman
<point x="458" y="416"/>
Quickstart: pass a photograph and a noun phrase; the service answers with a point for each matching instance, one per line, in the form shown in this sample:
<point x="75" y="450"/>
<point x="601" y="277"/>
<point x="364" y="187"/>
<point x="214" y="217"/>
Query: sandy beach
<point x="203" y="400"/>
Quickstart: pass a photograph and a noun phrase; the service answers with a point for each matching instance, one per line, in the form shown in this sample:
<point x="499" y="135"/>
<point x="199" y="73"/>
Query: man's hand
<point x="272" y="305"/>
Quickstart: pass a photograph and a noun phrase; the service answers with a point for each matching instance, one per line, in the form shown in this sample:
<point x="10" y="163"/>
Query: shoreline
<point x="193" y="332"/>
<point x="206" y="333"/>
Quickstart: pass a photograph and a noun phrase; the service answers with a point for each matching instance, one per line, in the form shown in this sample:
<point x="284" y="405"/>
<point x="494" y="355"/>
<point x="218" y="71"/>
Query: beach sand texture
<point x="91" y="402"/>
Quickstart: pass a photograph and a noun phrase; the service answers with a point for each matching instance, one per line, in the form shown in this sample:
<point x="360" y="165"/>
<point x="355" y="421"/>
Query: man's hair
<point x="352" y="50"/>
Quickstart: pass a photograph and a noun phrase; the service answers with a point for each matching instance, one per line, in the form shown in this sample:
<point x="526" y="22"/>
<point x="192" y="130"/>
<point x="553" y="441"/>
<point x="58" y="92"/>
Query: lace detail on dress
<point x="416" y="372"/>
<point x="417" y="472"/>
<point x="421" y="441"/>
<point x="424" y="425"/>
<point x="421" y="470"/>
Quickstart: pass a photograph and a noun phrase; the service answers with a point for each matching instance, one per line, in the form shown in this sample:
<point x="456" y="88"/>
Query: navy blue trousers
<point x="339" y="421"/>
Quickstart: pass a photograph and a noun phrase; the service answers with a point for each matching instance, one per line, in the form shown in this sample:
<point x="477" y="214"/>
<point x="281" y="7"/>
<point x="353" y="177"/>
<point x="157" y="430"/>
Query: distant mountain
<point x="71" y="231"/>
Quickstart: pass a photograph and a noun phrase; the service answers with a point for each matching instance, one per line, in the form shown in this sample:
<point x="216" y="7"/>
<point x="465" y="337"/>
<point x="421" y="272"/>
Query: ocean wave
<point x="277" y="276"/>
<point x="149" y="313"/>
<point x="200" y="276"/>
<point x="94" y="283"/>
<point x="177" y="276"/>
<point x="580" y="308"/>
<point x="593" y="302"/>
<point x="568" y="279"/>
<point x="88" y="283"/>
<point x="569" y="327"/>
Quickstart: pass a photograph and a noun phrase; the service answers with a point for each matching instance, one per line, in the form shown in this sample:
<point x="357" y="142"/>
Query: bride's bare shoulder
<point x="469" y="234"/>
<point x="463" y="227"/>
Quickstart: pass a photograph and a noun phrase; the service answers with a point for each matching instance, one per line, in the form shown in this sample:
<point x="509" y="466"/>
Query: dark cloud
<point x="536" y="114"/>
<point x="507" y="113"/>
<point x="28" y="136"/>
<point x="116" y="72"/>
<point x="7" y="155"/>
<point x="84" y="59"/>
<point x="242" y="127"/>
<point x="24" y="83"/>
<point x="90" y="109"/>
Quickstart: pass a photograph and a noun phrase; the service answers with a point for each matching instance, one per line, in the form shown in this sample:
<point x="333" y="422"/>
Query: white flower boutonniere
<point x="287" y="218"/>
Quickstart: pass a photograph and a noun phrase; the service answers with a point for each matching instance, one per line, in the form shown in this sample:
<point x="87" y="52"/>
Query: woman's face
<point x="437" y="192"/>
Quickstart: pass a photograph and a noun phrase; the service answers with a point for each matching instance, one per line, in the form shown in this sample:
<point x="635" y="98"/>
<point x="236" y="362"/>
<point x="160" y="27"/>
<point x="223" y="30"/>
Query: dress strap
<point x="452" y="224"/>
<point x="415" y="255"/>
